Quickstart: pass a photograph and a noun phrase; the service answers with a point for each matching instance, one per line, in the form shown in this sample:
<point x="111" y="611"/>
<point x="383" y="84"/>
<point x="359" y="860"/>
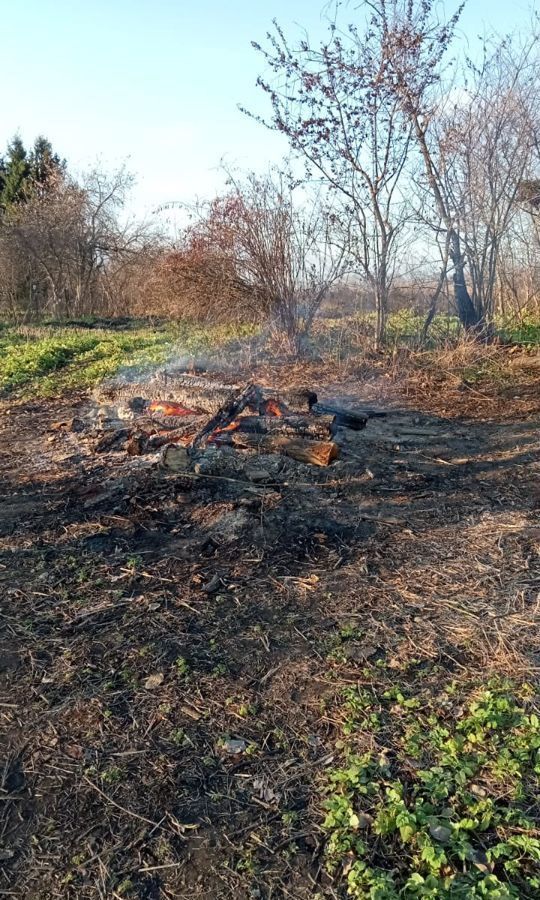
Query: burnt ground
<point x="171" y="647"/>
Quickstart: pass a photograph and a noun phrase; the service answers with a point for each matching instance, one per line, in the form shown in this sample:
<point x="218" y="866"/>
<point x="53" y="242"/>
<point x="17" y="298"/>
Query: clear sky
<point x="156" y="84"/>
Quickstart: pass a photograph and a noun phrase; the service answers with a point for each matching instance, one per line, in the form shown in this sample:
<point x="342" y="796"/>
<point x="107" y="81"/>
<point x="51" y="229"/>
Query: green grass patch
<point x="48" y="360"/>
<point x="444" y="803"/>
<point x="526" y="332"/>
<point x="405" y="329"/>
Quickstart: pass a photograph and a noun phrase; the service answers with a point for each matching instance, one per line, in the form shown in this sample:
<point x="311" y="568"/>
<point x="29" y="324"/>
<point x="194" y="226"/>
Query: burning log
<point x="318" y="428"/>
<point x="169" y="408"/>
<point x="272" y="407"/>
<point x="317" y="453"/>
<point x="187" y="390"/>
<point x="181" y="435"/>
<point x="158" y="423"/>
<point x="345" y="418"/>
<point x="298" y="401"/>
<point x="192" y="390"/>
<point x="249" y="396"/>
<point x="210" y="401"/>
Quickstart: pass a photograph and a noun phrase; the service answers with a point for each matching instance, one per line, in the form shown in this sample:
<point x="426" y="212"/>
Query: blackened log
<point x="157" y="423"/>
<point x="116" y="440"/>
<point x="315" y="427"/>
<point x="182" y="434"/>
<point x="345" y="418"/>
<point x="189" y="390"/>
<point x="298" y="400"/>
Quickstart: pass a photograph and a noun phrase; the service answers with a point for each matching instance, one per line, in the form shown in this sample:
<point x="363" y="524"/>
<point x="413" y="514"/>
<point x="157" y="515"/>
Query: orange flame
<point x="273" y="408"/>
<point x="232" y="426"/>
<point x="167" y="408"/>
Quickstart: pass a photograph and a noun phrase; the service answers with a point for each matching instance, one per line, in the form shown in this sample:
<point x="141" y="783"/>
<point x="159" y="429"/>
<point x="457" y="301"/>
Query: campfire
<point x="197" y="413"/>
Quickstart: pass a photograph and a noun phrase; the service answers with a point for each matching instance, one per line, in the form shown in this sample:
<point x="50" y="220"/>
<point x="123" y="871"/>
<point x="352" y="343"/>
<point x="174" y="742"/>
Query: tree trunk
<point x="380" y="331"/>
<point x="464" y="305"/>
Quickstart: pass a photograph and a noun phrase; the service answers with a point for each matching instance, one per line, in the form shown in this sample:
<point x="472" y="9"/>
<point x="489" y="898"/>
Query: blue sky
<point x="155" y="84"/>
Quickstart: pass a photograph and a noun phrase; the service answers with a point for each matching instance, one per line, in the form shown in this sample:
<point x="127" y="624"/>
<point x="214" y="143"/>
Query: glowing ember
<point x="273" y="408"/>
<point x="232" y="426"/>
<point x="166" y="408"/>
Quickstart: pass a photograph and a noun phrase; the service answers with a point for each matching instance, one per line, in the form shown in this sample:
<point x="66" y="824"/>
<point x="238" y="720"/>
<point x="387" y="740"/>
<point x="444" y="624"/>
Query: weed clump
<point x="447" y="806"/>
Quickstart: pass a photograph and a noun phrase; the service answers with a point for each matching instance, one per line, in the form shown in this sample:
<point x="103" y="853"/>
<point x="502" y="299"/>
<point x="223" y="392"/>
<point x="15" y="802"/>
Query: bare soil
<point x="167" y="645"/>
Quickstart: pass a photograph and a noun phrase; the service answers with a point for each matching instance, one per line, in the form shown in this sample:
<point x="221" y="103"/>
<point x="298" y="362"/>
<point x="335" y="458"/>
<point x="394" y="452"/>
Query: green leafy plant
<point x="450" y="810"/>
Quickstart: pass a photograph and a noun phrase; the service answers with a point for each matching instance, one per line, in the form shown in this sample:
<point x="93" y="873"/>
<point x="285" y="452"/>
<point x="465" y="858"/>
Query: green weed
<point x="446" y="805"/>
<point x="48" y="360"/>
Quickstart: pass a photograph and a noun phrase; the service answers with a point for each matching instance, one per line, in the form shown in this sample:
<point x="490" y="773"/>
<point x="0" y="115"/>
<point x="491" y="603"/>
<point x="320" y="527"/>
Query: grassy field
<point x="47" y="360"/>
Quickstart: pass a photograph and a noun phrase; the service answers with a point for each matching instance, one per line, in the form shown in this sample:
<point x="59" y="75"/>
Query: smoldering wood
<point x="193" y="390"/>
<point x="157" y="422"/>
<point x="189" y="390"/>
<point x="183" y="435"/>
<point x="248" y="396"/>
<point x="299" y="400"/>
<point x="318" y="428"/>
<point x="169" y="408"/>
<point x="113" y="440"/>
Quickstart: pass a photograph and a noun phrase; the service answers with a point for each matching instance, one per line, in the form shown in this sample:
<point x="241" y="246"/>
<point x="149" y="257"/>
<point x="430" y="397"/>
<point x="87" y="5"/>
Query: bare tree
<point x="412" y="45"/>
<point x="280" y="246"/>
<point x="71" y="244"/>
<point x="486" y="148"/>
<point x="331" y="103"/>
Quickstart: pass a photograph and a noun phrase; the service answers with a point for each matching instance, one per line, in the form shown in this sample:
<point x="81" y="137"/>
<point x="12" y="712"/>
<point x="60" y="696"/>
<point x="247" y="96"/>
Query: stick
<point x="123" y="809"/>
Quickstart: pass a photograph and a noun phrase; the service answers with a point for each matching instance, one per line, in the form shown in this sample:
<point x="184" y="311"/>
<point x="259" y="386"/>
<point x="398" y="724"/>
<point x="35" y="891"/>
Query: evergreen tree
<point x="16" y="174"/>
<point x="2" y="178"/>
<point x="24" y="174"/>
<point x="46" y="167"/>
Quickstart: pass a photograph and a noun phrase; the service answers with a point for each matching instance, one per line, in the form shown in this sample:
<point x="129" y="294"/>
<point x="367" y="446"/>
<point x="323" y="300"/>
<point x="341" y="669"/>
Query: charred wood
<point x="345" y="418"/>
<point x="248" y="396"/>
<point x="113" y="440"/>
<point x="300" y="400"/>
<point x="315" y="427"/>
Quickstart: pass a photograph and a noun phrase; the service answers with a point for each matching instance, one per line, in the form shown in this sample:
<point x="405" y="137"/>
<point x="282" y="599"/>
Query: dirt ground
<point x="168" y="646"/>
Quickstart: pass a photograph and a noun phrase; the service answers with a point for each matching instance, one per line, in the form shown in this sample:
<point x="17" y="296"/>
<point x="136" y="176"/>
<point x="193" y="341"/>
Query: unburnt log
<point x="316" y="453"/>
<point x="345" y="418"/>
<point x="318" y="428"/>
